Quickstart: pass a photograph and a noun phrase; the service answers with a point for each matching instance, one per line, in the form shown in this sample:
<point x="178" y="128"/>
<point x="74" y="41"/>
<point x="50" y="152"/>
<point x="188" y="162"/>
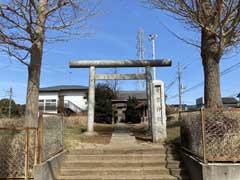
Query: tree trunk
<point x="210" y="60"/>
<point x="32" y="109"/>
<point x="34" y="69"/>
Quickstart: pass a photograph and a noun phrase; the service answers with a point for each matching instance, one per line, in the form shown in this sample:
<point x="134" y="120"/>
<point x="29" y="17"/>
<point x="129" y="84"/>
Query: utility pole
<point x="152" y="38"/>
<point x="180" y="86"/>
<point x="10" y="103"/>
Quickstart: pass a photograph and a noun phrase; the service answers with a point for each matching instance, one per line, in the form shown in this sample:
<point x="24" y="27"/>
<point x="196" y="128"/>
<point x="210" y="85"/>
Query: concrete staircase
<point x="154" y="163"/>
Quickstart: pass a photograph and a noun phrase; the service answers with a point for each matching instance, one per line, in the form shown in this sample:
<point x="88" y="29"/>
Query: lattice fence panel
<point x="222" y="135"/>
<point x="191" y="132"/>
<point x="52" y="135"/>
<point x="12" y="153"/>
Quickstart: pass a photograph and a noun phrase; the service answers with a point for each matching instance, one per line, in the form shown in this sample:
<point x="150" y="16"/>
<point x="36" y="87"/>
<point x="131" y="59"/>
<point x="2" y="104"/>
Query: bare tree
<point x="114" y="84"/>
<point x="24" y="26"/>
<point x="219" y="24"/>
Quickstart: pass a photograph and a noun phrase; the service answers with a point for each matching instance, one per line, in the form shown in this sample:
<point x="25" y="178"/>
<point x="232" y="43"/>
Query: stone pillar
<point x="159" y="132"/>
<point x="148" y="89"/>
<point x="91" y="101"/>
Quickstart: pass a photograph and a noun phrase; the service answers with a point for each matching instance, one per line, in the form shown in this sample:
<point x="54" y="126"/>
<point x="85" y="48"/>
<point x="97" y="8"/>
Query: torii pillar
<point x="92" y="65"/>
<point x="91" y="100"/>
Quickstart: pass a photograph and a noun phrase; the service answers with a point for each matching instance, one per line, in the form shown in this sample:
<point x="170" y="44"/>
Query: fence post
<point x="202" y="111"/>
<point x="26" y="153"/>
<point x="40" y="138"/>
<point x="35" y="145"/>
<point x="180" y="121"/>
<point x="62" y="130"/>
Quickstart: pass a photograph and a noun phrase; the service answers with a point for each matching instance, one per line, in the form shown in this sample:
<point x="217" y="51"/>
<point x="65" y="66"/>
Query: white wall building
<point x="73" y="96"/>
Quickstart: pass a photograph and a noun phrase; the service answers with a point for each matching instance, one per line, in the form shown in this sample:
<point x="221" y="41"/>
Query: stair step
<point x="119" y="151"/>
<point x="121" y="157"/>
<point x="116" y="171"/>
<point x="126" y="177"/>
<point x="178" y="172"/>
<point x="119" y="163"/>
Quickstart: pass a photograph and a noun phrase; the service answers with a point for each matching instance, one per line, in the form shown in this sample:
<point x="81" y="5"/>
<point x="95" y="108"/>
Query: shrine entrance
<point x="154" y="90"/>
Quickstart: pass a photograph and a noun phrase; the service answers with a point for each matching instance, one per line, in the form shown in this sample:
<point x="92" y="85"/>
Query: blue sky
<point x="115" y="38"/>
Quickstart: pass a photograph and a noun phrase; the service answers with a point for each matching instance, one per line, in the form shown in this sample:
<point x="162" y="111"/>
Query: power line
<point x="171" y="84"/>
<point x="223" y="73"/>
<point x="184" y="67"/>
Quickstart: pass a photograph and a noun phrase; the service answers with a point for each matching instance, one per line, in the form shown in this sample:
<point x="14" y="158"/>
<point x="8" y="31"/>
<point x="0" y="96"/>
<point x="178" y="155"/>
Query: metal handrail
<point x="72" y="106"/>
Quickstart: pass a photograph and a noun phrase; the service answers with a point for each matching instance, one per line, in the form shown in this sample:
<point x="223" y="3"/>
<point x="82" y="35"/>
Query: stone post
<point x="159" y="132"/>
<point x="91" y="101"/>
<point x="148" y="89"/>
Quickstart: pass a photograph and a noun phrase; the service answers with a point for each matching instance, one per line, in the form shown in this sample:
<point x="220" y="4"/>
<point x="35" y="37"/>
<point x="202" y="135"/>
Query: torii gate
<point x="93" y="64"/>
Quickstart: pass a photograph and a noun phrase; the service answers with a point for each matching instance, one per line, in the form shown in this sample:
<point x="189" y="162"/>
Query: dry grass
<point x="74" y="136"/>
<point x="173" y="132"/>
<point x="75" y="121"/>
<point x="11" y="123"/>
<point x="140" y="131"/>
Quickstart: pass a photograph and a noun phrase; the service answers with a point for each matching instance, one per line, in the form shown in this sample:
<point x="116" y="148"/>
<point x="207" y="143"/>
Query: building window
<point x="41" y="104"/>
<point x="51" y="105"/>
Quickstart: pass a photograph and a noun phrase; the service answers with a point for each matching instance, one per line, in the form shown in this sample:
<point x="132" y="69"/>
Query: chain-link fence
<point x="212" y="135"/>
<point x="22" y="148"/>
<point x="17" y="152"/>
<point x="50" y="135"/>
<point x="222" y="129"/>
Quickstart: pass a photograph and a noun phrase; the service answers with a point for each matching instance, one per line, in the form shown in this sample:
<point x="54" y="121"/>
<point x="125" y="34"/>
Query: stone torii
<point x="93" y="64"/>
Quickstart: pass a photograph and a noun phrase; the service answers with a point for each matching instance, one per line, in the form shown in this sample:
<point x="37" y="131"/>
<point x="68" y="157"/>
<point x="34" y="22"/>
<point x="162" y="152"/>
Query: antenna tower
<point x="140" y="54"/>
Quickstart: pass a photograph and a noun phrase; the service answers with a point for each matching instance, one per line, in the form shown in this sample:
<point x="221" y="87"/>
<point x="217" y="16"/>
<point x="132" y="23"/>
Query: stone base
<point x="210" y="171"/>
<point x="92" y="133"/>
<point x="49" y="169"/>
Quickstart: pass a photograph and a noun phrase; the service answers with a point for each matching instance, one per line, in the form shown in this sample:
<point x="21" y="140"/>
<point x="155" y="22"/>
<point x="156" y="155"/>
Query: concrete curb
<point x="49" y="170"/>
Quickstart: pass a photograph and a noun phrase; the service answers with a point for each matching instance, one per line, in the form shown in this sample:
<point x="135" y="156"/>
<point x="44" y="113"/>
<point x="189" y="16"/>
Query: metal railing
<point x="72" y="106"/>
<point x="213" y="135"/>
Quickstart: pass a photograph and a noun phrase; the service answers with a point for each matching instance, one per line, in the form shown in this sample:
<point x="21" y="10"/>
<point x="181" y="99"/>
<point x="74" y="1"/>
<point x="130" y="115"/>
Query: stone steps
<point x="119" y="164"/>
<point x="123" y="159"/>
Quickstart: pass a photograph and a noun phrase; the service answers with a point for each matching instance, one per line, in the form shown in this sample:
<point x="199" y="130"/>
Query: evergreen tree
<point x="133" y="115"/>
<point x="103" y="103"/>
<point x="4" y="108"/>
